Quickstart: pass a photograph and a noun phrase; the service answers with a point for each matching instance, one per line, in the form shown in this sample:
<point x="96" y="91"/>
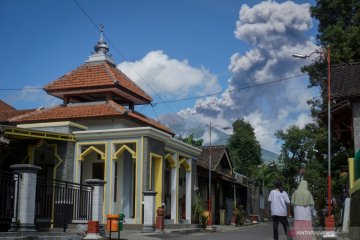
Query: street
<point x="261" y="231"/>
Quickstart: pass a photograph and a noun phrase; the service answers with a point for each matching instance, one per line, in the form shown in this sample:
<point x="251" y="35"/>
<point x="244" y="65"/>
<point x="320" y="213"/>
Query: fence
<point x="59" y="203"/>
<point x="7" y="198"/>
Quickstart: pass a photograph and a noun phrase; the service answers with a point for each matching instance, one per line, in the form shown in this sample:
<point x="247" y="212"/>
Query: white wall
<point x="102" y="124"/>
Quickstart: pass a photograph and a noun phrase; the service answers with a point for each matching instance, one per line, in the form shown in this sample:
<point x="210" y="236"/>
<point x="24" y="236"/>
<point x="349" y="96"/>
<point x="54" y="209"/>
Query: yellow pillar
<point x="351" y="172"/>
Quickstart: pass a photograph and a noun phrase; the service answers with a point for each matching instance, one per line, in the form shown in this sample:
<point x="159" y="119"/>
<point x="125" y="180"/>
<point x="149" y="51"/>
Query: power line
<point x="87" y="15"/>
<point x="234" y="90"/>
<point x="20" y="89"/>
<point x="121" y="55"/>
<point x="154" y="112"/>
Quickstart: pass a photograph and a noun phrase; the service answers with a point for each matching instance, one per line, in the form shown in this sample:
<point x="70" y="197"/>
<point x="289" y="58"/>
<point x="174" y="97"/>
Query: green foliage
<point x="198" y="209"/>
<point x="238" y="213"/>
<point x="267" y="175"/>
<point x="297" y="146"/>
<point x="339" y="22"/>
<point x="244" y="149"/>
<point x="192" y="141"/>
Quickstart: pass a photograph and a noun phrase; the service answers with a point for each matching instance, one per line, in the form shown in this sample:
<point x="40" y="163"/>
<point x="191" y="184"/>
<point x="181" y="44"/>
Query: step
<point x="182" y="231"/>
<point x="181" y="226"/>
<point x="39" y="235"/>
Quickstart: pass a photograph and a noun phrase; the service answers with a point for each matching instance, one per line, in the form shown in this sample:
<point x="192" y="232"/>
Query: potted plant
<point x="204" y="220"/>
<point x="238" y="214"/>
<point x="222" y="214"/>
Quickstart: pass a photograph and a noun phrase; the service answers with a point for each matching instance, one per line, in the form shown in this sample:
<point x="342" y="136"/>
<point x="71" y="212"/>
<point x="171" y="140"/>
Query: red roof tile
<point x="5" y="107"/>
<point x="6" y="115"/>
<point x="73" y="112"/>
<point x="94" y="75"/>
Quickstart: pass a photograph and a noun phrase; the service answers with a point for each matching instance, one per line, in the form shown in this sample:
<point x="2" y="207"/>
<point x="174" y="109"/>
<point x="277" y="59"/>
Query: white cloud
<point x="170" y="77"/>
<point x="275" y="30"/>
<point x="34" y="96"/>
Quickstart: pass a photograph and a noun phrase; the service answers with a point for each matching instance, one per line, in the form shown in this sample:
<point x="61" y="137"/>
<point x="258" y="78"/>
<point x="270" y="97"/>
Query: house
<point x="226" y="185"/>
<point x="97" y="134"/>
<point x="345" y="117"/>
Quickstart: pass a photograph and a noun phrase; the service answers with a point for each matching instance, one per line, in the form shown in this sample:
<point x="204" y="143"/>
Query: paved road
<point x="261" y="231"/>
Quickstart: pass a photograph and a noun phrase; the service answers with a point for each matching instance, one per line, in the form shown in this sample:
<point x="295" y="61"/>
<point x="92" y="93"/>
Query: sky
<point x="173" y="50"/>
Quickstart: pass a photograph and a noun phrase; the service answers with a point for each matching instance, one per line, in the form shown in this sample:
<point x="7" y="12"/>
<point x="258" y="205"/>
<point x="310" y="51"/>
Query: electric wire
<point x="228" y="91"/>
<point x="148" y="85"/>
<point x="121" y="55"/>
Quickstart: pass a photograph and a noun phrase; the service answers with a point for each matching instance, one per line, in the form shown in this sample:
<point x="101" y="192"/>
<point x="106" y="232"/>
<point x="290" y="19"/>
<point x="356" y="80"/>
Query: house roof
<point x="345" y="81"/>
<point x="216" y="152"/>
<point x="6" y="115"/>
<point x="97" y="76"/>
<point x="88" y="111"/>
<point x="5" y="107"/>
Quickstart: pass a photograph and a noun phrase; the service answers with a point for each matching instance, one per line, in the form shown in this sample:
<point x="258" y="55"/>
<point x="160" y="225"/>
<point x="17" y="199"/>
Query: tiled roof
<point x="5" y="107"/>
<point x="345" y="81"/>
<point x="90" y="111"/>
<point x="6" y="115"/>
<point x="216" y="152"/>
<point x="96" y="75"/>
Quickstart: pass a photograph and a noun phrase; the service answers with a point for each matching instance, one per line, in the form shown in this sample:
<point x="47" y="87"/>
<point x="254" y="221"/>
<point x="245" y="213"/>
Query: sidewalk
<point x="134" y="235"/>
<point x="137" y="235"/>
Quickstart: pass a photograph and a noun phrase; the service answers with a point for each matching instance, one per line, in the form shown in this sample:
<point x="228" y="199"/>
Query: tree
<point x="266" y="175"/>
<point x="191" y="141"/>
<point x="339" y="29"/>
<point x="244" y="149"/>
<point x="303" y="145"/>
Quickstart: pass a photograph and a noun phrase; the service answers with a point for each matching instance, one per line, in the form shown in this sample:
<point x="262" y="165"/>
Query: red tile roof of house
<point x="96" y="75"/>
<point x="6" y="115"/>
<point x="7" y="112"/>
<point x="5" y="107"/>
<point x="89" y="111"/>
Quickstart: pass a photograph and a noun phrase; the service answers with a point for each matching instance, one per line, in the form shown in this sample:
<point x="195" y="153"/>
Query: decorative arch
<point x="92" y="149"/>
<point x="171" y="160"/>
<point x="186" y="165"/>
<point x="122" y="149"/>
<point x="40" y="143"/>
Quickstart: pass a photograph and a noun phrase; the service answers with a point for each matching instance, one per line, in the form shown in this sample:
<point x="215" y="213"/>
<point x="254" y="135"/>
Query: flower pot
<point x="160" y="212"/>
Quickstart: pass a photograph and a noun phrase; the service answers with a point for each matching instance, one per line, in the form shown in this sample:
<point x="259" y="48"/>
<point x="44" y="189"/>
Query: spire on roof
<point x="101" y="49"/>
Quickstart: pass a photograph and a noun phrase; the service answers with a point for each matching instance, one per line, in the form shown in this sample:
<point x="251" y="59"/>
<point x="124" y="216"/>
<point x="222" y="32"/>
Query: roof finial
<point x="101" y="28"/>
<point x="101" y="46"/>
<point x="101" y="49"/>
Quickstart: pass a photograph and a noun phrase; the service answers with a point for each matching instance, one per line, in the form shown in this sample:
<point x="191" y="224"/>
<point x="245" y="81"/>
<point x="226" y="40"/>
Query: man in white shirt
<point x="278" y="204"/>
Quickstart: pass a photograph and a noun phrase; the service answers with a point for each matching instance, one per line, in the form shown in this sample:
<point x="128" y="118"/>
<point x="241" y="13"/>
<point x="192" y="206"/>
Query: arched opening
<point x="124" y="178"/>
<point x="92" y="162"/>
<point x="183" y="191"/>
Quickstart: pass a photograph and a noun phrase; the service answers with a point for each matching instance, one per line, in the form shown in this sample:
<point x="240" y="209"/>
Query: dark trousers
<point x="283" y="220"/>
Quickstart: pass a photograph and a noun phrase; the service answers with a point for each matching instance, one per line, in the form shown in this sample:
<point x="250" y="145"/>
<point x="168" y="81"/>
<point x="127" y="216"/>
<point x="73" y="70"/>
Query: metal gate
<point x="59" y="203"/>
<point x="7" y="199"/>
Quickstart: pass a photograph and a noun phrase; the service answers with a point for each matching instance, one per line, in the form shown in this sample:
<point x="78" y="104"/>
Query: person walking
<point x="303" y="203"/>
<point x="279" y="200"/>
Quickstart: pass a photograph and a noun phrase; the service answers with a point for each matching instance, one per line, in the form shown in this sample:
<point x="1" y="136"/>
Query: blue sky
<point x="181" y="48"/>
